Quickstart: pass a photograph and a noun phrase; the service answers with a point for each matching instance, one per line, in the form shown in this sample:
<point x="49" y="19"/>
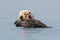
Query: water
<point x="47" y="11"/>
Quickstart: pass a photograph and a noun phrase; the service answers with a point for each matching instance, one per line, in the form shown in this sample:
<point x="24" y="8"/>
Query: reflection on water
<point x="28" y="33"/>
<point x="30" y="30"/>
<point x="38" y="33"/>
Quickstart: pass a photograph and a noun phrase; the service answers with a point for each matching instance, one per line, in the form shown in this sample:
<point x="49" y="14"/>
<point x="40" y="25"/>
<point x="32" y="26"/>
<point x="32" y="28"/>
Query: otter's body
<point x="33" y="23"/>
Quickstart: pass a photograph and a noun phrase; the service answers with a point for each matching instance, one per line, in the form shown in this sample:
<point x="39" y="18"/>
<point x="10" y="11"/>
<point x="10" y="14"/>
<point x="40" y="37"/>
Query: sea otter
<point x="33" y="23"/>
<point x="27" y="20"/>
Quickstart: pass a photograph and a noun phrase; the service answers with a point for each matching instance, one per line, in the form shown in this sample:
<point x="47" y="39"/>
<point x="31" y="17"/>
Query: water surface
<point x="47" y="11"/>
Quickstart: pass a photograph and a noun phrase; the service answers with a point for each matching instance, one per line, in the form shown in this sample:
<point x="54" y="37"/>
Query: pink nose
<point x="25" y="14"/>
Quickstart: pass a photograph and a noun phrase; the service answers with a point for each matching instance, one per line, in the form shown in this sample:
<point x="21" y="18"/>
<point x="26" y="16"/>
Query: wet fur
<point x="29" y="21"/>
<point x="33" y="23"/>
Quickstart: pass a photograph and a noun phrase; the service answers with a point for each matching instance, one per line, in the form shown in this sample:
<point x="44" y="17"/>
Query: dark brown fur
<point x="33" y="23"/>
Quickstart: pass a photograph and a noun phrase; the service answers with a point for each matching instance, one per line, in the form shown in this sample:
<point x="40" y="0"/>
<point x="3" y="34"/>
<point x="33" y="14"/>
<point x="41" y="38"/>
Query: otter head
<point x="25" y="15"/>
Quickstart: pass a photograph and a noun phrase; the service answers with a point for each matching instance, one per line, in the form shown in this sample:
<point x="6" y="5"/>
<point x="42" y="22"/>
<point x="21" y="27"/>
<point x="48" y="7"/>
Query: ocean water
<point x="47" y="11"/>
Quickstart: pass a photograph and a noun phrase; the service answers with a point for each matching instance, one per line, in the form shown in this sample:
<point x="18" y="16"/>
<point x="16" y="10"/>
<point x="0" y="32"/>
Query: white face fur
<point x="25" y="14"/>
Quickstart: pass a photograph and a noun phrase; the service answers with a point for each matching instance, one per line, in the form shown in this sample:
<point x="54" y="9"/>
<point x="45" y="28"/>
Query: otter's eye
<point x="29" y="17"/>
<point x="21" y="18"/>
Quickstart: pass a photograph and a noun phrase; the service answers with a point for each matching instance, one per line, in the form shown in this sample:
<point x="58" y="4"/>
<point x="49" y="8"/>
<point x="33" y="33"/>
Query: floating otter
<point x="33" y="23"/>
<point x="26" y="19"/>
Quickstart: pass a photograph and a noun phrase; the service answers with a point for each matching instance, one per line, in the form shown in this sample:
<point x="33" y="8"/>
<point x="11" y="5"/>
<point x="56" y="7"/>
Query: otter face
<point x="25" y="15"/>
